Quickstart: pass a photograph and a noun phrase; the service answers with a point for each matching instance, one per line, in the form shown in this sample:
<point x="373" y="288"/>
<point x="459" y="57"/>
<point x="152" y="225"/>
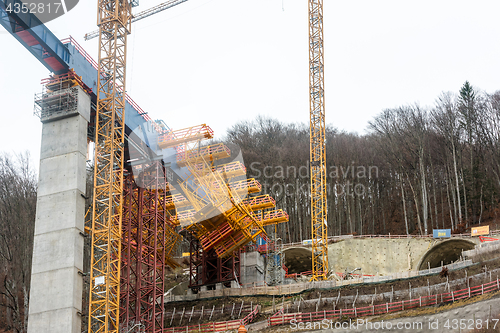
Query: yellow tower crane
<point x="113" y="19"/>
<point x="319" y="223"/>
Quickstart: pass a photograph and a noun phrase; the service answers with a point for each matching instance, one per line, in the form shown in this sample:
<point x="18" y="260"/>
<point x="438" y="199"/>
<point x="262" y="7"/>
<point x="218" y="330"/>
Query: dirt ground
<point x="270" y="305"/>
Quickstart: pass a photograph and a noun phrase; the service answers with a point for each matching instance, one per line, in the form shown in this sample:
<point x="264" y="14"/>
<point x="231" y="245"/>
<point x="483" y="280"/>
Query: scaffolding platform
<point x="171" y="138"/>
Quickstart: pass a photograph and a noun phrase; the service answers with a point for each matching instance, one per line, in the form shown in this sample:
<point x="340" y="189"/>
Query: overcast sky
<point x="223" y="61"/>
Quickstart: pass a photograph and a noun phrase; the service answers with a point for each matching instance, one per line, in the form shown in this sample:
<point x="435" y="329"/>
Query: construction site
<point x="143" y="228"/>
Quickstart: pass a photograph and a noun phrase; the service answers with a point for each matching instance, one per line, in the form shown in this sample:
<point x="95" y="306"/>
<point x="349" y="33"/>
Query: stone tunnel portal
<point x="298" y="259"/>
<point x="447" y="252"/>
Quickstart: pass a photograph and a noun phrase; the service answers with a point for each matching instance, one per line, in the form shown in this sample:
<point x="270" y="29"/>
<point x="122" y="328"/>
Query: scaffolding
<point x="213" y="205"/>
<point x="275" y="261"/>
<point x="59" y="96"/>
<point x="208" y="269"/>
<point x="57" y="104"/>
<point x="149" y="243"/>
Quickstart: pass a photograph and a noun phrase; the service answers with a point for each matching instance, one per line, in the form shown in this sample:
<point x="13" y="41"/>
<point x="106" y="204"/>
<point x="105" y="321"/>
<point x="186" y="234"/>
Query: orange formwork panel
<point x="209" y="240"/>
<point x="211" y="152"/>
<point x="234" y="242"/>
<point x="174" y="138"/>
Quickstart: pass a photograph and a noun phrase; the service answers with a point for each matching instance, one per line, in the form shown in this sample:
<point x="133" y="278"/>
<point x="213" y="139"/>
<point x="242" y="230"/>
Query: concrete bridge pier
<point x="56" y="286"/>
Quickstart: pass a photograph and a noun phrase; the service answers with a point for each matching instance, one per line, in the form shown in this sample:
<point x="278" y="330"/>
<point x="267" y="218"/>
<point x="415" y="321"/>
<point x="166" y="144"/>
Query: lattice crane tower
<point x="317" y="142"/>
<point x="114" y="18"/>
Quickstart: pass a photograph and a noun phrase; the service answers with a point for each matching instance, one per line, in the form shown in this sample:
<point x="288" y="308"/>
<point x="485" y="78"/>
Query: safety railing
<point x="372" y="310"/>
<point x="220" y="326"/>
<point x="338" y="238"/>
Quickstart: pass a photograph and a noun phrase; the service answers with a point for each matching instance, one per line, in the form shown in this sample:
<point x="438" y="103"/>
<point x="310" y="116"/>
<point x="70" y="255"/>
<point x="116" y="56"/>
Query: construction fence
<point x="282" y="318"/>
<point x="221" y="326"/>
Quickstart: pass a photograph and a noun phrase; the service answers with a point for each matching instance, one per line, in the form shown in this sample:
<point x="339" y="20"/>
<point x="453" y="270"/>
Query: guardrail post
<point x="420" y="301"/>
<point x="387" y="307"/>
<point x="482" y="289"/>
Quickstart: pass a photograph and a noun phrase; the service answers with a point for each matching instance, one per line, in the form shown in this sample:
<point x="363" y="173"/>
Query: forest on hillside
<point x="416" y="169"/>
<point x="18" y="185"/>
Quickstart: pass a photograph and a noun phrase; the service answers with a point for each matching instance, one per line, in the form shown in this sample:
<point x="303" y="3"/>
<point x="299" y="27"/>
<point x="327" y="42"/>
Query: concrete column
<point x="56" y="286"/>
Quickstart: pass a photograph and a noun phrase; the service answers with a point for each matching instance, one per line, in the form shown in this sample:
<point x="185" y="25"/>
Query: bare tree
<point x="17" y="220"/>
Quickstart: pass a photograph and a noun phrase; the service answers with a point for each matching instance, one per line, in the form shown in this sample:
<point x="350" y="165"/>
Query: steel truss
<point x="148" y="243"/>
<point x="104" y="300"/>
<point x="317" y="142"/>
<point x="208" y="269"/>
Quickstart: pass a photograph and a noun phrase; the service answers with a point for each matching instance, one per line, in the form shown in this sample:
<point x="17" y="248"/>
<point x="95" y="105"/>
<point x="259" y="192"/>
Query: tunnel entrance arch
<point x="447" y="252"/>
<point x="298" y="259"/>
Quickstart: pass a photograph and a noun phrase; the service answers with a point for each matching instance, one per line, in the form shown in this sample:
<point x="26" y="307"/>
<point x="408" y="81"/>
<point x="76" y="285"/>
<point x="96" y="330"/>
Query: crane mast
<point x="104" y="301"/>
<point x="317" y="142"/>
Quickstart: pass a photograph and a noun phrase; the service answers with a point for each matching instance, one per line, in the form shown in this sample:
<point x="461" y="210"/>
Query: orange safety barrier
<point x="54" y="80"/>
<point x="487" y="239"/>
